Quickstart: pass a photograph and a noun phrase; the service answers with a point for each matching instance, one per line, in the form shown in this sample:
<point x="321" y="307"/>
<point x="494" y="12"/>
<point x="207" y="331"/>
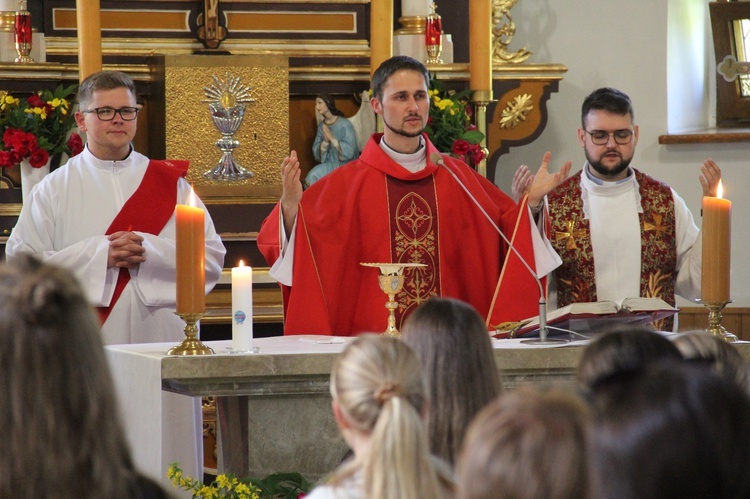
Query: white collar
<point x="413" y="162"/>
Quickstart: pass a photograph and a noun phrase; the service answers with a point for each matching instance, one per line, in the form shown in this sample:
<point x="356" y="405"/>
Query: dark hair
<point x="712" y="352"/>
<point x="330" y="103"/>
<point x="103" y="80"/>
<point x="620" y="352"/>
<point x="59" y="425"/>
<point x="606" y="99"/>
<point x="672" y="430"/>
<point x="392" y="65"/>
<point x="529" y="443"/>
<point x="454" y="348"/>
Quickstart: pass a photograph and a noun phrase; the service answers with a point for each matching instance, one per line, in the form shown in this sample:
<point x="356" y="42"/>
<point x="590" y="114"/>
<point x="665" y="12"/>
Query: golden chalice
<point x="391" y="281"/>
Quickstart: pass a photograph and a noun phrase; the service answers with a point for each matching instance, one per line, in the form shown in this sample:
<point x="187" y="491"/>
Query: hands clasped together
<point x="125" y="250"/>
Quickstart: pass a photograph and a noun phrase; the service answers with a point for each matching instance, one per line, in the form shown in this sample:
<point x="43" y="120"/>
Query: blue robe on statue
<point x="337" y="153"/>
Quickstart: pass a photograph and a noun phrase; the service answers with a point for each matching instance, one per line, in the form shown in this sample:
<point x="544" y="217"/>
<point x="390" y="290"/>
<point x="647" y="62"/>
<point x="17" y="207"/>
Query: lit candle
<point x="480" y="49"/>
<point x="717" y="218"/>
<point x="191" y="249"/>
<point x="381" y="32"/>
<point x="242" y="308"/>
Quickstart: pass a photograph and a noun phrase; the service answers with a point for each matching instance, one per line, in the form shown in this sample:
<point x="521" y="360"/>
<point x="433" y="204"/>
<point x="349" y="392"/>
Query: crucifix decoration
<point x="209" y="30"/>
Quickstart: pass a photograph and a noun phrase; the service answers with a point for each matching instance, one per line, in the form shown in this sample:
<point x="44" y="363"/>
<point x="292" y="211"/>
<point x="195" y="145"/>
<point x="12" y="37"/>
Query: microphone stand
<point x="544" y="338"/>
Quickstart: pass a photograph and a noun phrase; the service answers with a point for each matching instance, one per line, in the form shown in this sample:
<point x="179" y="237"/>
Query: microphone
<point x="543" y="329"/>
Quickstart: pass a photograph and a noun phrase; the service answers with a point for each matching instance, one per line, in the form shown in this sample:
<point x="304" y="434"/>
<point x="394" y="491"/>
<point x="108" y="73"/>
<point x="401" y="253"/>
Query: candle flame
<point x="192" y="196"/>
<point x="242" y="263"/>
<point x="719" y="190"/>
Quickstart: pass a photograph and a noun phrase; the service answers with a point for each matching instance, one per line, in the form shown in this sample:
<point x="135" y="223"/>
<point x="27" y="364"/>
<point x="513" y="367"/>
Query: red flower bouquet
<point x="449" y="126"/>
<point x="37" y="128"/>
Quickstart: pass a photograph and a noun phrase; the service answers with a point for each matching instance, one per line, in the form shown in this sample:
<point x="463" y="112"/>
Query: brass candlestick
<point x="191" y="345"/>
<point x="714" y="321"/>
<point x="391" y="280"/>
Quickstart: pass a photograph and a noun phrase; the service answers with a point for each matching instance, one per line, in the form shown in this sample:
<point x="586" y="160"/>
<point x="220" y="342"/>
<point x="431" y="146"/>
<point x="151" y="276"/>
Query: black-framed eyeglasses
<point x="108" y="113"/>
<point x="600" y="137"/>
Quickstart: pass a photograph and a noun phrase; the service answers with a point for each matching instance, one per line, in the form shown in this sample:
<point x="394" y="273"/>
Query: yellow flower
<point x="244" y="492"/>
<point x="37" y="110"/>
<point x="223" y="481"/>
<point x="444" y="103"/>
<point x="207" y="492"/>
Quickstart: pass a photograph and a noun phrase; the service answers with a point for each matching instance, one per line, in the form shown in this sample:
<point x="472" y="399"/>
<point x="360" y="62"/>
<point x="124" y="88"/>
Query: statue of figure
<point x="339" y="139"/>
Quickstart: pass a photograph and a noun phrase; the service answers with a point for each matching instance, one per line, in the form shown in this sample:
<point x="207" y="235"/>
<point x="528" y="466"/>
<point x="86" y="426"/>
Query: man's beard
<point x="606" y="172"/>
<point x="402" y="132"/>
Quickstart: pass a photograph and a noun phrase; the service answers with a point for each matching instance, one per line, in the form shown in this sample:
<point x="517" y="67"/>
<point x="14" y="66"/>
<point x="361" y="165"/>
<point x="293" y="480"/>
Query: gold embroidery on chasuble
<point x="414" y="236"/>
<point x="658" y="243"/>
<point x="570" y="236"/>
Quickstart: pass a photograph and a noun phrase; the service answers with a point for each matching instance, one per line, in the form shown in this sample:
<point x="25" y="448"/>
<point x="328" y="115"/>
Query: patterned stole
<point x="414" y="239"/>
<point x="571" y="238"/>
<point x="147" y="210"/>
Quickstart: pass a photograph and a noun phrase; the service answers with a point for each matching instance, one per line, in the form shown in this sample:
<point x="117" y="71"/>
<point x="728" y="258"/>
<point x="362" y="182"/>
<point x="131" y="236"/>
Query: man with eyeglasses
<point x="108" y="215"/>
<point x="620" y="233"/>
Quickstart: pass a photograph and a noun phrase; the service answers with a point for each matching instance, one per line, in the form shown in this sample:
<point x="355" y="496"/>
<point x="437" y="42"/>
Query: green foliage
<point x="450" y="126"/>
<point x="282" y="485"/>
<point x="274" y="486"/>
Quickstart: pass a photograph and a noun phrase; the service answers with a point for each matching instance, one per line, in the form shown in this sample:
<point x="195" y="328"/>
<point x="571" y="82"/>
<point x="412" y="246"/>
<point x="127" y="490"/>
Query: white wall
<point x="625" y="45"/>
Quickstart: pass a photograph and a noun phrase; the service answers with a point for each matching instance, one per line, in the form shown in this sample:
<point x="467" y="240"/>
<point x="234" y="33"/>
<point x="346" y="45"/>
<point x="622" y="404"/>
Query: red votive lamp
<point x="22" y="32"/>
<point x="434" y="36"/>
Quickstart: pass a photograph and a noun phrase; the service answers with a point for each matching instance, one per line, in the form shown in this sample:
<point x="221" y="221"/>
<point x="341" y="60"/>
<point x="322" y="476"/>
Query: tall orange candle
<point x="191" y="249"/>
<point x="480" y="49"/>
<point x="89" y="25"/>
<point x="716" y="264"/>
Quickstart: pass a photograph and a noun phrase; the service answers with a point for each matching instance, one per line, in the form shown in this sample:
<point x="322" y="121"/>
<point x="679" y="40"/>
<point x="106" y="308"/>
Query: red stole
<point x="414" y="239"/>
<point x="147" y="210"/>
<point x="571" y="238"/>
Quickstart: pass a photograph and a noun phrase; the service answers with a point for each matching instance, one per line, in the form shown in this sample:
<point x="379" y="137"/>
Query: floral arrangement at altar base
<point x="450" y="126"/>
<point x="274" y="486"/>
<point x="38" y="127"/>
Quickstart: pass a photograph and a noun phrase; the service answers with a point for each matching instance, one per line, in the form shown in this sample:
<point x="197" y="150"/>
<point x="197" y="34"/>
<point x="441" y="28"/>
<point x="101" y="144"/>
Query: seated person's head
<point x="622" y="350"/>
<point x="380" y="401"/>
<point x="671" y="430"/>
<point x="453" y="345"/>
<point x="59" y="422"/>
<point x="702" y="348"/>
<point x="529" y="443"/>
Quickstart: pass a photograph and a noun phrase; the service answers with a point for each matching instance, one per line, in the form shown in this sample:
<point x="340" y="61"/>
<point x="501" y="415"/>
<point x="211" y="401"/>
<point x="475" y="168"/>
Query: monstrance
<point x="391" y="281"/>
<point x="226" y="102"/>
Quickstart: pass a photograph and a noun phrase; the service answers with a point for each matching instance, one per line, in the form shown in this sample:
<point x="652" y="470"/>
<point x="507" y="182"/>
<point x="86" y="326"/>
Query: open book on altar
<point x="586" y="317"/>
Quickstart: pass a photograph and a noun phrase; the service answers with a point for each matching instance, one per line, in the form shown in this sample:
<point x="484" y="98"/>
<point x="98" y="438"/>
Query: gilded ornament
<point x="516" y="111"/>
<point x="503" y="30"/>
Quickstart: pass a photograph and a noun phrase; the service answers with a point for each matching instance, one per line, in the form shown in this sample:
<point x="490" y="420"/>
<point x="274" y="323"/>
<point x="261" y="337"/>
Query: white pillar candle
<point x="9" y="5"/>
<point x="242" y="308"/>
<point x="414" y="8"/>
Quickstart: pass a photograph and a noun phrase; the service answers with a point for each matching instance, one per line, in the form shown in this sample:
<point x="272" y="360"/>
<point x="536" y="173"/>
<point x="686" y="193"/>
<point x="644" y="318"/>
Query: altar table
<point x="274" y="407"/>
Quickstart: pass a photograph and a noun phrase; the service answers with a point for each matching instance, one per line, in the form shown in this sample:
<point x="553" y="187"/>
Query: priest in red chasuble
<point x="403" y="202"/>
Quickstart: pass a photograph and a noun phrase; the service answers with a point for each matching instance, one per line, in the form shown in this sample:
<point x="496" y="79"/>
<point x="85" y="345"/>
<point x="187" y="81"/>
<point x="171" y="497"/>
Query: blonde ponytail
<point x="379" y="388"/>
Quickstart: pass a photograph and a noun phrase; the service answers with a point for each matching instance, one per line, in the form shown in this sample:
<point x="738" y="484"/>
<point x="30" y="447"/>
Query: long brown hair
<point x="454" y="348"/>
<point x="59" y="423"/>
